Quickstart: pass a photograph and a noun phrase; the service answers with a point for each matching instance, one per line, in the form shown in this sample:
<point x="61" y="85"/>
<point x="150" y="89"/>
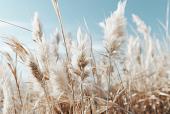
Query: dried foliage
<point x="131" y="76"/>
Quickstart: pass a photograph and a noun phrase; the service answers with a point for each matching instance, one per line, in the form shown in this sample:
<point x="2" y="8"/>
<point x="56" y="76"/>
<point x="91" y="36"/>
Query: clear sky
<point x="73" y="11"/>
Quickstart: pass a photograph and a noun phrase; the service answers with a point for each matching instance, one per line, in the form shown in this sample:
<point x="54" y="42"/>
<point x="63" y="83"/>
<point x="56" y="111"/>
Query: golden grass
<point x="130" y="76"/>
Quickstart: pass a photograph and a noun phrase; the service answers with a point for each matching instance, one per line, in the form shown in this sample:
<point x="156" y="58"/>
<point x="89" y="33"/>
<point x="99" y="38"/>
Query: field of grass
<point x="130" y="74"/>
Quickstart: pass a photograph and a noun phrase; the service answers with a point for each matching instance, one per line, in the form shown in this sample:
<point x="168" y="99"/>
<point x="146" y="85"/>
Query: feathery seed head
<point x="35" y="69"/>
<point x="37" y="29"/>
<point x="18" y="48"/>
<point x="114" y="28"/>
<point x="83" y="49"/>
<point x="141" y="26"/>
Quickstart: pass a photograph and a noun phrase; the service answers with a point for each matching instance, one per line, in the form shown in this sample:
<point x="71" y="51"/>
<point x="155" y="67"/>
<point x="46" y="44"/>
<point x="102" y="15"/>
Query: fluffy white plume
<point x="114" y="28"/>
<point x="37" y="28"/>
<point x="141" y="26"/>
<point x="8" y="105"/>
<point x="83" y="41"/>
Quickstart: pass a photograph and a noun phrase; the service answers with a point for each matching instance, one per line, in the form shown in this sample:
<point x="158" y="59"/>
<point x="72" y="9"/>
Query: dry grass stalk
<point x="114" y="32"/>
<point x="57" y="11"/>
<point x="13" y="69"/>
<point x="15" y="25"/>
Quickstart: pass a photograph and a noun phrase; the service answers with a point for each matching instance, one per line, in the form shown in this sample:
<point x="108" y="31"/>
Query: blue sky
<point x="73" y="11"/>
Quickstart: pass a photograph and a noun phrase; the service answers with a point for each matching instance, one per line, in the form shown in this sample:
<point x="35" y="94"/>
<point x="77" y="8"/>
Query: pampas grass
<point x="131" y="75"/>
<point x="8" y="103"/>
